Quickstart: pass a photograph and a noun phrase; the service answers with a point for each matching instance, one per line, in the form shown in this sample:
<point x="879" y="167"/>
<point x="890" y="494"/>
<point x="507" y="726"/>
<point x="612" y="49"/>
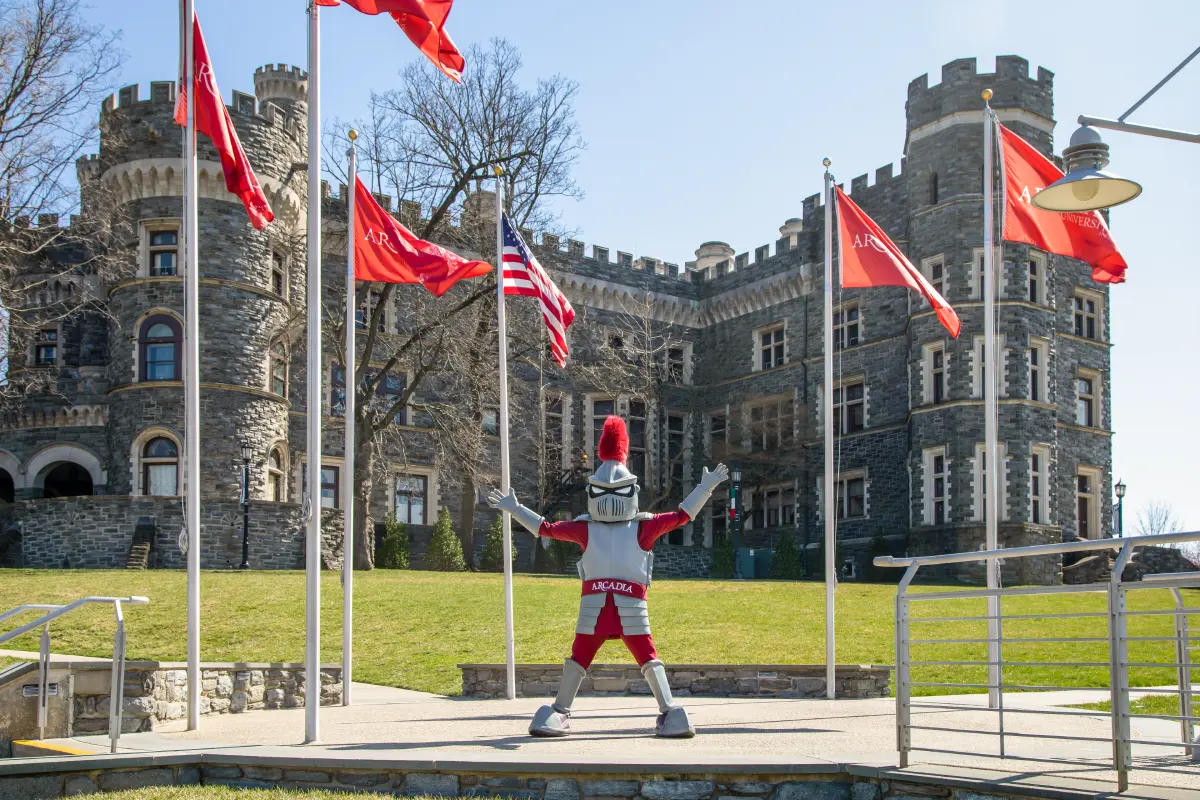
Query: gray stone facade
<point x="718" y="306"/>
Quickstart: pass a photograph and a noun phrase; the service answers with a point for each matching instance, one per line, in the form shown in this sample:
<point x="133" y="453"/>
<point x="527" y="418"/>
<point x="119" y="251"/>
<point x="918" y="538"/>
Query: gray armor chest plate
<point x="613" y="552"/>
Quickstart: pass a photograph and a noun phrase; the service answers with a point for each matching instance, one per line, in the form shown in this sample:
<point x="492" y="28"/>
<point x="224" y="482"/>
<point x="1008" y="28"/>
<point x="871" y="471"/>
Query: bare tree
<point x="54" y="69"/>
<point x="433" y="144"/>
<point x="1157" y="517"/>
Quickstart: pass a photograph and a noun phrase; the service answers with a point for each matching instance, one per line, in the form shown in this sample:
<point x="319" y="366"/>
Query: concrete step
<point x="139" y="556"/>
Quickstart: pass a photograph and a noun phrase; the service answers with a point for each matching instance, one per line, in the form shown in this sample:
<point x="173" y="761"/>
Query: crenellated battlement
<point x="284" y="85"/>
<point x="962" y="83"/>
<point x="262" y="110"/>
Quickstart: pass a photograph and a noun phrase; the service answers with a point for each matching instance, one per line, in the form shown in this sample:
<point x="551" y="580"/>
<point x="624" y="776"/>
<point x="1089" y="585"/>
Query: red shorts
<point x="608" y="626"/>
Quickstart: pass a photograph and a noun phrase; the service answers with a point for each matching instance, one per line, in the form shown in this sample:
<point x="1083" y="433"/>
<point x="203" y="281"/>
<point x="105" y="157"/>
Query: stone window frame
<point x="1080" y="293"/>
<point x="1039" y="373"/>
<point x="274" y="359"/>
<point x="1093" y="521"/>
<point x="367" y="308"/>
<point x="685" y="371"/>
<point x="137" y="464"/>
<point x="839" y="388"/>
<point x="841" y="325"/>
<point x="685" y="449"/>
<point x="566" y="457"/>
<point x="842" y="481"/>
<point x="1095" y="400"/>
<point x="1039" y="484"/>
<point x="432" y="487"/>
<point x="279" y="473"/>
<point x="300" y="472"/>
<point x="977" y="356"/>
<point x="785" y="436"/>
<point x="783" y="520"/>
<point x="39" y="342"/>
<point x="978" y="477"/>
<point x="929" y="476"/>
<point x="927" y="266"/>
<point x="723" y="451"/>
<point x="1037" y="278"/>
<point x="145" y="252"/>
<point x="281" y="268"/>
<point x="930" y="370"/>
<point x="756" y="342"/>
<point x="622" y="403"/>
<point x="975" y="273"/>
<point x="139" y="346"/>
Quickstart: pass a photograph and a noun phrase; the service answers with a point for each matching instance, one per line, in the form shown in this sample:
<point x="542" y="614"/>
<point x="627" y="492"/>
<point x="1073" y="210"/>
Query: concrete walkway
<point x="401" y="724"/>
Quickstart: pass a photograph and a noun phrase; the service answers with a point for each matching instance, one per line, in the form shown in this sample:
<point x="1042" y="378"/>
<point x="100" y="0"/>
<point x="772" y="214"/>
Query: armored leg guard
<point x="555" y="719"/>
<point x="673" y="722"/>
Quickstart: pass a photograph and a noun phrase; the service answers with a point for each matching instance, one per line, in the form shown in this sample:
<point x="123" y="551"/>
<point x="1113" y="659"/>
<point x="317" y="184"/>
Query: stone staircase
<point x="142" y="544"/>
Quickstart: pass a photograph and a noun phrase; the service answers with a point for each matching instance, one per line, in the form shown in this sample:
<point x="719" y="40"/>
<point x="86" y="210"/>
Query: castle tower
<point x="251" y="285"/>
<point x="1043" y="452"/>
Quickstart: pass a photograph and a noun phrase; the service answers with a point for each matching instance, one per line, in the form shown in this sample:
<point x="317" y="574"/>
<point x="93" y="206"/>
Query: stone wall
<point x="677" y="561"/>
<point x="1160" y="560"/>
<point x="687" y="680"/>
<point x="156" y="693"/>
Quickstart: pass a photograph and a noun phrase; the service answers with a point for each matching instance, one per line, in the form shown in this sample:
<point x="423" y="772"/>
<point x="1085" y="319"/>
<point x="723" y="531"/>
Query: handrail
<point x="116" y="696"/>
<point x="1033" y="550"/>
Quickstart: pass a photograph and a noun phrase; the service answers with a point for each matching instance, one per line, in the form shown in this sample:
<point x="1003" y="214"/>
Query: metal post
<point x="191" y="375"/>
<point x="1118" y="678"/>
<point x="312" y="549"/>
<point x="736" y="488"/>
<point x="1120" y="516"/>
<point x="903" y="669"/>
<point x="44" y="681"/>
<point x="506" y="522"/>
<point x="351" y="382"/>
<point x="991" y="366"/>
<point x="830" y="481"/>
<point x="1183" y="661"/>
<point x="117" y="694"/>
<point x="246" y="514"/>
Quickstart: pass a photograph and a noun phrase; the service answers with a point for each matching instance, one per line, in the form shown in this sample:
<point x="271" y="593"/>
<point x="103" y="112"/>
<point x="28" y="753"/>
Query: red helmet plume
<point x="614" y="440"/>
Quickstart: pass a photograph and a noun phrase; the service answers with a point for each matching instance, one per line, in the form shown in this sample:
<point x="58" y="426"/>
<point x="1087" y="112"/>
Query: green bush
<point x="492" y="559"/>
<point x="445" y="550"/>
<point x="879" y="547"/>
<point x="817" y="560"/>
<point x="787" y="562"/>
<point x="559" y="552"/>
<point x="722" y="562"/>
<point x="393" y="548"/>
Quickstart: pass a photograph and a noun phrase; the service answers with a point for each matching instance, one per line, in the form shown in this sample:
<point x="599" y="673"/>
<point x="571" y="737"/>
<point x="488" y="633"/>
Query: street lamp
<point x="1086" y="186"/>
<point x="735" y="491"/>
<point x="1120" y="490"/>
<point x="247" y="451"/>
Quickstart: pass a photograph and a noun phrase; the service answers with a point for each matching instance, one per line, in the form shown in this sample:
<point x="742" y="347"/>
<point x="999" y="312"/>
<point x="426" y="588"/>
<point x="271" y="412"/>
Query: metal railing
<point x="53" y="612"/>
<point x="1110" y="645"/>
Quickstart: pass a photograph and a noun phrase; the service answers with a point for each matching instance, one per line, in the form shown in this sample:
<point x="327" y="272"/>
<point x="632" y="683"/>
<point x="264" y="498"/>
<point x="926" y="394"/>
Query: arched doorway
<point x="67" y="479"/>
<point x="7" y="489"/>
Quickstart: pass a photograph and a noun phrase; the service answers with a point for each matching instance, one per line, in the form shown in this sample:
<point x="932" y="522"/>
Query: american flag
<point x="524" y="275"/>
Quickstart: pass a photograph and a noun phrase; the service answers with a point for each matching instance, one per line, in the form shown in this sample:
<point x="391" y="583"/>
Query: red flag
<point x="872" y="259"/>
<point x="423" y="21"/>
<point x="212" y="119"/>
<point x="387" y="252"/>
<point x="1076" y="234"/>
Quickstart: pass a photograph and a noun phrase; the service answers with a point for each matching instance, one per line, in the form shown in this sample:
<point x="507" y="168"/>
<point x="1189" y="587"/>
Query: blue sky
<point x="708" y="120"/>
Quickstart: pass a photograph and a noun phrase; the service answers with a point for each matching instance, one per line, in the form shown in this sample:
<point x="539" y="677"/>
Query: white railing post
<point x="43" y="681"/>
<point x="1119" y="670"/>
<point x="903" y="674"/>
<point x="117" y="697"/>
<point x="1183" y="661"/>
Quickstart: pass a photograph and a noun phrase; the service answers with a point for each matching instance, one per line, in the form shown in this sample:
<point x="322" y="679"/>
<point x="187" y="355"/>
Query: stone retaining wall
<point x="710" y="680"/>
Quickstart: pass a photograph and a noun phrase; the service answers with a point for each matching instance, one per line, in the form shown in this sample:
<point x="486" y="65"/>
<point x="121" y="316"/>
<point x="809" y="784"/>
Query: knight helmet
<point x="612" y="488"/>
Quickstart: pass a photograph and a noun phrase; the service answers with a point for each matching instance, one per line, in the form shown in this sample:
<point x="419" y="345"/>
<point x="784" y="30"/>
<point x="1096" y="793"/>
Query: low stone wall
<point x="678" y="561"/>
<point x="708" y="680"/>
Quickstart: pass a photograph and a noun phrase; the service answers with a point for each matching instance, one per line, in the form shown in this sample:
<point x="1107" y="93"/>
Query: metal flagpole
<point x="312" y="547"/>
<point x="351" y="382"/>
<point x="991" y="365"/>
<point x="191" y="375"/>
<point x="510" y="667"/>
<point x="830" y="484"/>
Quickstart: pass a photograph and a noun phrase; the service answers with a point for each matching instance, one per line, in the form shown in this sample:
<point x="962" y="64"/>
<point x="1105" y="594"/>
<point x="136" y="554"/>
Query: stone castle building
<point x="90" y="471"/>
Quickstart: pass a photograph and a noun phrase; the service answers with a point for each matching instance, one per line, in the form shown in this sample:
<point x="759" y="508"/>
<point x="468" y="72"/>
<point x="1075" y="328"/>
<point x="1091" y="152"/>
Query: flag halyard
<point x="523" y="275"/>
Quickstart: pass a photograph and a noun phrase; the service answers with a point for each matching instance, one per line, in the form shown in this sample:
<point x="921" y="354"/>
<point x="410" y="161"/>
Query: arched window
<point x="276" y="486"/>
<point x="277" y="369"/>
<point x="159" y="343"/>
<point x="7" y="490"/>
<point x="160" y="468"/>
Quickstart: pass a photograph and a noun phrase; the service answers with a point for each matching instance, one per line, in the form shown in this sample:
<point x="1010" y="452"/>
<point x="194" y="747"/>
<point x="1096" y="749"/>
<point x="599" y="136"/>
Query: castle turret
<point x="286" y="87"/>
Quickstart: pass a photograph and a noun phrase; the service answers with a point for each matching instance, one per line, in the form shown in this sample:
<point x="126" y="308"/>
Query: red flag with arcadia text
<point x="212" y="119"/>
<point x="387" y="252"/>
<point x="423" y="22"/>
<point x="869" y="258"/>
<point x="1076" y="234"/>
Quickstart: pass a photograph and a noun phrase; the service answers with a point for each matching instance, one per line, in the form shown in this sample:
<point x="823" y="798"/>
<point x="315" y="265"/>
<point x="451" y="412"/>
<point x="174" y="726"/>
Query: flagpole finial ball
<point x="353" y="134"/>
<point x="826" y="162"/>
<point x="498" y="170"/>
<point x="986" y="94"/>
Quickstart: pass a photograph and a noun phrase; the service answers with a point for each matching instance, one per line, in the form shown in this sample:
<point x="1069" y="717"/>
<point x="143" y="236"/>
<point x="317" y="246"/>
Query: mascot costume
<point x="617" y="542"/>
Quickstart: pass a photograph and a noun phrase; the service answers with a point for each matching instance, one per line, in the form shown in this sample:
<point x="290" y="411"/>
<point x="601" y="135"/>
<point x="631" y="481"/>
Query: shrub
<point x="492" y="559"/>
<point x="722" y="561"/>
<point x="393" y="548"/>
<point x="445" y="550"/>
<point x="787" y="562"/>
<point x="879" y="547"/>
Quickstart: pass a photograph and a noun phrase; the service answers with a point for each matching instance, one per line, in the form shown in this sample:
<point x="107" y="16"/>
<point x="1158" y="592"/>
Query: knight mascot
<point x="617" y="542"/>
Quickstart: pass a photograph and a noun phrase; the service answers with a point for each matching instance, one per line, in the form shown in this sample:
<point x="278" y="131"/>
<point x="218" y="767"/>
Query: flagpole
<point x="351" y="382"/>
<point x="830" y="485"/>
<point x="506" y="523"/>
<point x="312" y="546"/>
<point x="191" y="376"/>
<point x="991" y="366"/>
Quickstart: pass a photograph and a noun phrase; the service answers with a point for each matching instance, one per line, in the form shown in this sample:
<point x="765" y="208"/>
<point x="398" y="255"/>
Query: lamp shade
<point x="1086" y="190"/>
<point x="736" y="473"/>
<point x="247" y="451"/>
<point x="1120" y="489"/>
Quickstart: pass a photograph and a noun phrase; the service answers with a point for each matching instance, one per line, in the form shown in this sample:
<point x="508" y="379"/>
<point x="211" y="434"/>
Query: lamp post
<point x="735" y="510"/>
<point x="1087" y="186"/>
<point x="1120" y="490"/>
<point x="247" y="451"/>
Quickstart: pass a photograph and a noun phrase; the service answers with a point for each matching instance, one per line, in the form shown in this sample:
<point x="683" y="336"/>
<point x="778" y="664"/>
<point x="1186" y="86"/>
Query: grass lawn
<point x="1154" y="704"/>
<point x="225" y="793"/>
<point x="412" y="628"/>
